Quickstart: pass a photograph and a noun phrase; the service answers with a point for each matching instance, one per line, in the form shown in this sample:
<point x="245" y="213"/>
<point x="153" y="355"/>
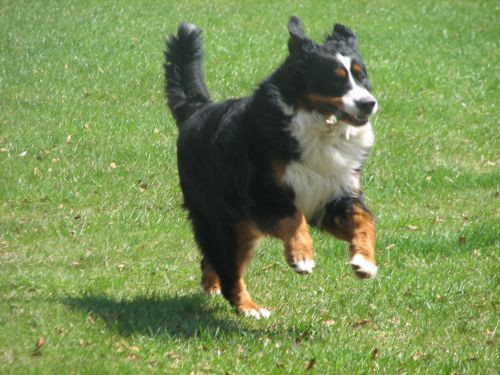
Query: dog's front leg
<point x="348" y="219"/>
<point x="294" y="233"/>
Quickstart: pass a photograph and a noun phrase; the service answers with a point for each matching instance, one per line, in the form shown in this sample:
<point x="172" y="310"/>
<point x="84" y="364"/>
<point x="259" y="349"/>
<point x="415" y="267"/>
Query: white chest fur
<point x="330" y="156"/>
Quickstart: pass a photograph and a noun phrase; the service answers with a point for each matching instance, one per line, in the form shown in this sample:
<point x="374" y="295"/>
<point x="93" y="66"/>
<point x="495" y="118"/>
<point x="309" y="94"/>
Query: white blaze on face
<point x="357" y="93"/>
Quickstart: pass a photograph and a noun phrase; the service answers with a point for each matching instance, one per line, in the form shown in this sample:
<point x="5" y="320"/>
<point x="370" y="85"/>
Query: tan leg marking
<point x="364" y="234"/>
<point x="293" y="231"/>
<point x="359" y="231"/>
<point x="244" y="302"/>
<point x="210" y="282"/>
<point x="248" y="236"/>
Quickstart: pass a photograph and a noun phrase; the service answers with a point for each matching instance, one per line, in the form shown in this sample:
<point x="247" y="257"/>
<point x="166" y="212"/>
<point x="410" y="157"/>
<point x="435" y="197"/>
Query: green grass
<point x="107" y="272"/>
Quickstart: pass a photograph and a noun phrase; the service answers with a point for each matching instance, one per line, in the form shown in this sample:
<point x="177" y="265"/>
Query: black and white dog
<point x="269" y="164"/>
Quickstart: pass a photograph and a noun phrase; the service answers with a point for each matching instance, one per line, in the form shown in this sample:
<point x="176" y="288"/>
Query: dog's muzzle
<point x="357" y="114"/>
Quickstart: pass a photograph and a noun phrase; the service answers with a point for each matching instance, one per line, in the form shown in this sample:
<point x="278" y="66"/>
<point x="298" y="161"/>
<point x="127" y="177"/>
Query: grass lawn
<point x="98" y="269"/>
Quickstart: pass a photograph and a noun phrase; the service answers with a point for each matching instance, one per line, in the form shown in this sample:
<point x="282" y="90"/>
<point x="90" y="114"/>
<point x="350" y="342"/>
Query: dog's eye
<point x="357" y="69"/>
<point x="341" y="73"/>
<point x="358" y="72"/>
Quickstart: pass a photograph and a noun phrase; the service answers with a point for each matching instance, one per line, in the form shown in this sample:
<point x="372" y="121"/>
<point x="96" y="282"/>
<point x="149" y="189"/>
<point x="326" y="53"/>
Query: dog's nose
<point x="366" y="105"/>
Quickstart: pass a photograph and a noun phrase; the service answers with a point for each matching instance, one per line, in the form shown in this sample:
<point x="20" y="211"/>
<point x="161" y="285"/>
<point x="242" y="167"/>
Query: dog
<point x="289" y="156"/>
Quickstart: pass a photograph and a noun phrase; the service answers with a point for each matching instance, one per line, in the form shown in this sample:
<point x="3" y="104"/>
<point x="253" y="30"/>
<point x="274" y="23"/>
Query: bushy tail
<point x="184" y="82"/>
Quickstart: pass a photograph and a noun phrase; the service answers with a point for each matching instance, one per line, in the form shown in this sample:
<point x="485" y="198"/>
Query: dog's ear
<point x="298" y="39"/>
<point x="344" y="34"/>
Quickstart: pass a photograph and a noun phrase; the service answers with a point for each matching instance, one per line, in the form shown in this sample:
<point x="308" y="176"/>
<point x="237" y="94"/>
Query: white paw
<point x="363" y="268"/>
<point x="257" y="313"/>
<point x="304" y="266"/>
<point x="211" y="291"/>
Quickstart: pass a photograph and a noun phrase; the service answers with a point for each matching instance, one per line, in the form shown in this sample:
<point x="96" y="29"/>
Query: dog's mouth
<point x="356" y="120"/>
<point x="334" y="106"/>
<point x="352" y="120"/>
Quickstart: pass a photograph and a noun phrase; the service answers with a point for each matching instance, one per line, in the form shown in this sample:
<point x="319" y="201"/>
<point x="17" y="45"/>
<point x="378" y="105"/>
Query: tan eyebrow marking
<point x="356" y="68"/>
<point x="341" y="72"/>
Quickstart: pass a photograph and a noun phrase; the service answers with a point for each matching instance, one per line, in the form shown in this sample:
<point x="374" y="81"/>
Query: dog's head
<point x="333" y="76"/>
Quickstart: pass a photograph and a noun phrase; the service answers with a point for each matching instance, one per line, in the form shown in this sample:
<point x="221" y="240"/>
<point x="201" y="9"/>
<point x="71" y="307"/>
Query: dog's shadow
<point x="174" y="316"/>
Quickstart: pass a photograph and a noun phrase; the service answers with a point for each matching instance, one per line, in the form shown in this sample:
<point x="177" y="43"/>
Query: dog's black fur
<point x="227" y="151"/>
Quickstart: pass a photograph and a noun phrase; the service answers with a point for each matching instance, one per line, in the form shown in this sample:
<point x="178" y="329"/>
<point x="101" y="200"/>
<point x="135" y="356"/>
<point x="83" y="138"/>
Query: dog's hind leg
<point x="227" y="250"/>
<point x="247" y="237"/>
